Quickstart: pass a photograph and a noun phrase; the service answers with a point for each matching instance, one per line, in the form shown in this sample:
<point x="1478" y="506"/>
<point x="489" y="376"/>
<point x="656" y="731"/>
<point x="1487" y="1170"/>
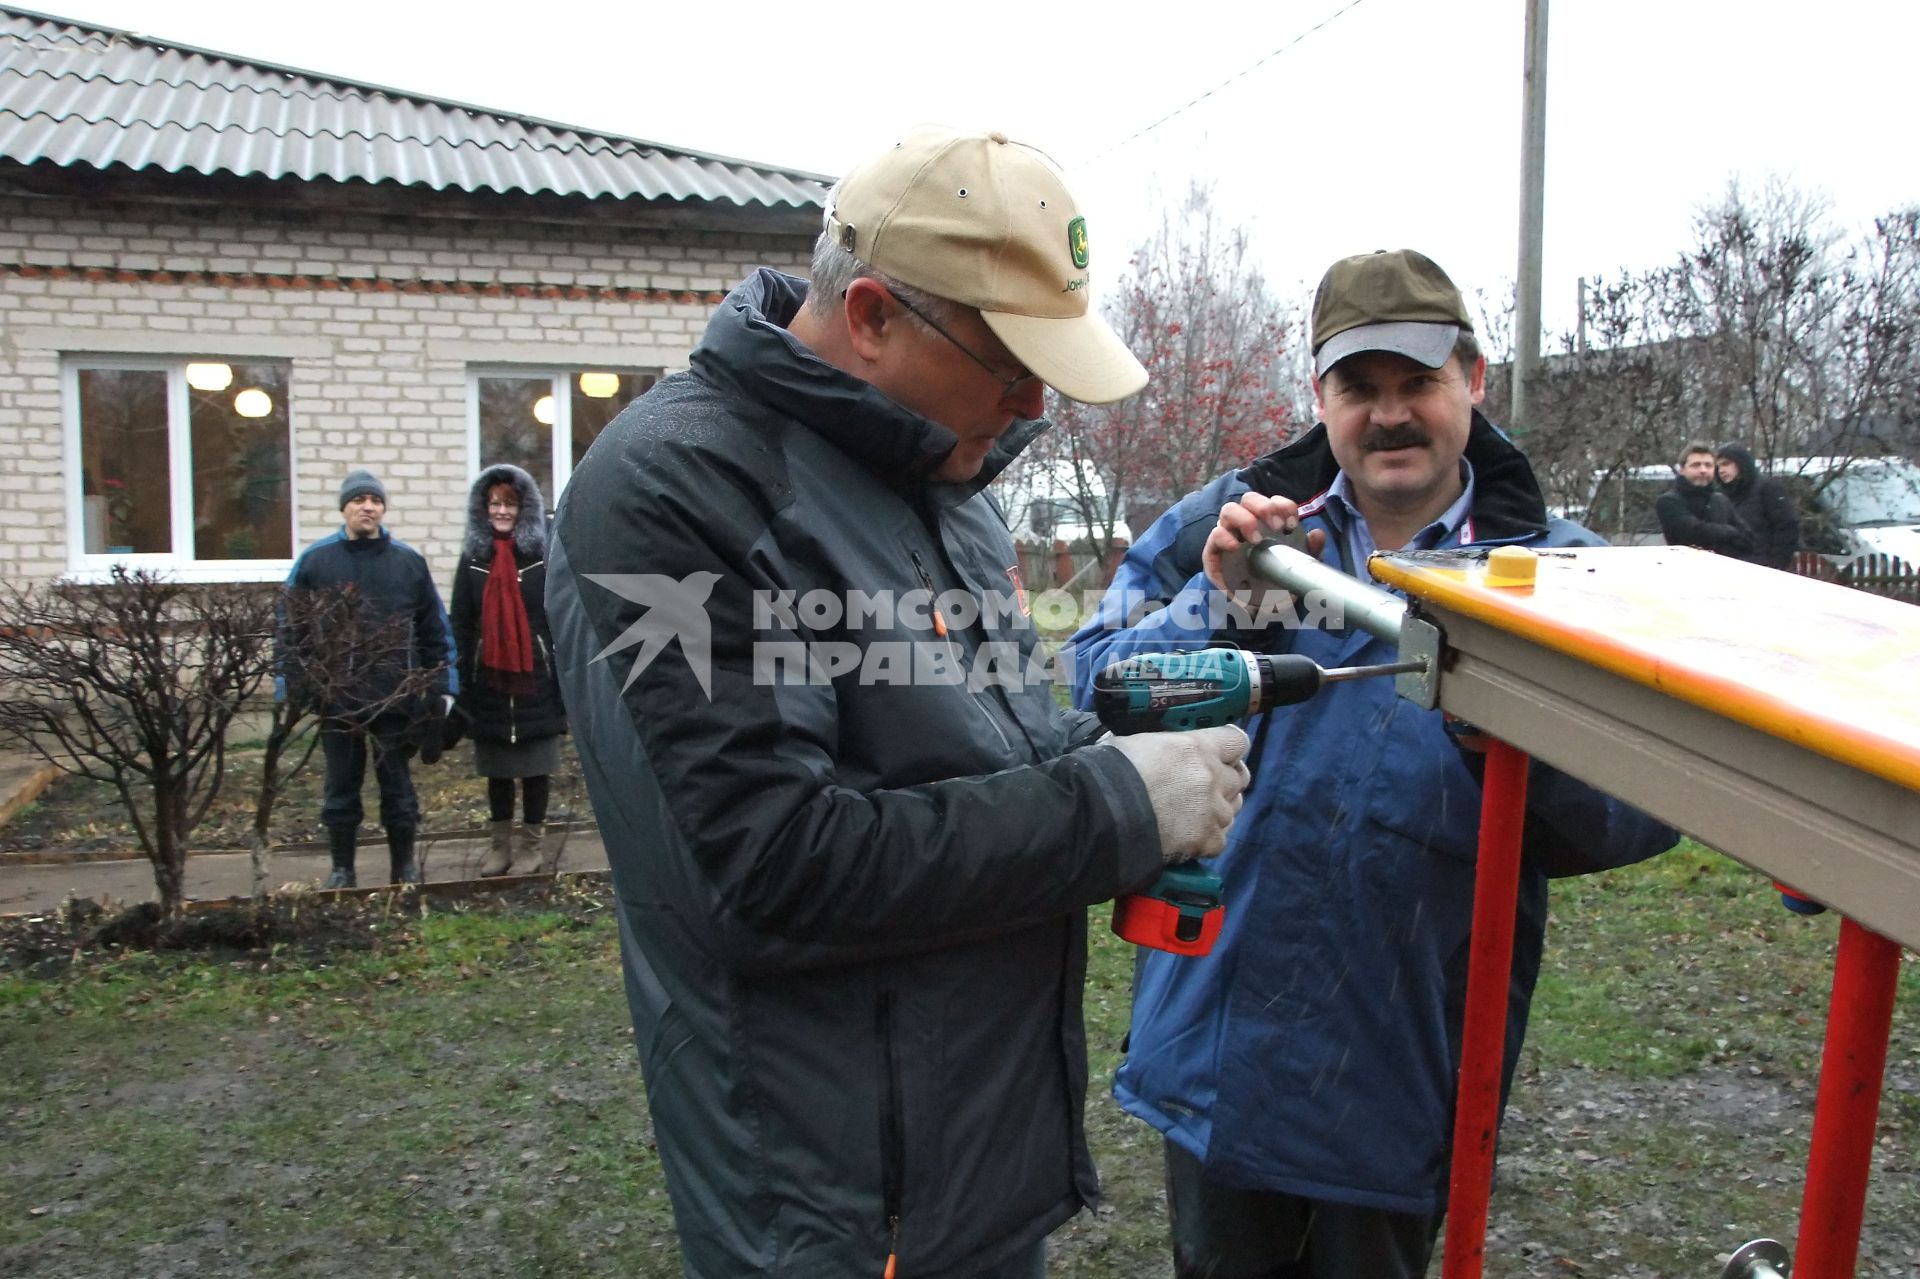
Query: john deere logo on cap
<point x="1077" y="240"/>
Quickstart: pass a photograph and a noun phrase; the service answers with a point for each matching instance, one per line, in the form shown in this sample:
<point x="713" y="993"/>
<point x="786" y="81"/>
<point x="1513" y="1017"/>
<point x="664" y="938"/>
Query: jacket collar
<point x="383" y="538"/>
<point x="748" y="348"/>
<point x="1507" y="504"/>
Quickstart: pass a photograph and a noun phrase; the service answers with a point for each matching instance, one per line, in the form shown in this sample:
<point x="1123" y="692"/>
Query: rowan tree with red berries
<point x="1196" y="310"/>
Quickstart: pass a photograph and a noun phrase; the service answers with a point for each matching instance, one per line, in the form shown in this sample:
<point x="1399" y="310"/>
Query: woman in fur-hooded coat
<point x="508" y="689"/>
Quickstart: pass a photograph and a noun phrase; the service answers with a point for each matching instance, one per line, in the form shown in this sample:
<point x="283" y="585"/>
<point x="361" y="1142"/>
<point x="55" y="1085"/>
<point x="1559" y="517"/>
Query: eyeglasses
<point x="1008" y="385"/>
<point x="503" y="506"/>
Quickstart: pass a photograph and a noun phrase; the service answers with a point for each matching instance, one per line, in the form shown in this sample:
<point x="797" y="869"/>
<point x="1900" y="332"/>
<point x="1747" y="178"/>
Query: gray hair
<point x="835" y="269"/>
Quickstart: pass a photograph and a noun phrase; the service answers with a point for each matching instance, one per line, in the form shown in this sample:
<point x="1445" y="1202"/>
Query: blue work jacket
<point x="1314" y="1051"/>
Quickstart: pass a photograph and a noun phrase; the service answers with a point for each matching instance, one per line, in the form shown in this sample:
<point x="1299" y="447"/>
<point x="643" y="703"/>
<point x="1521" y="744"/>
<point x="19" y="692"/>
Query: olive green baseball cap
<point x="1397" y="301"/>
<point x="988" y="222"/>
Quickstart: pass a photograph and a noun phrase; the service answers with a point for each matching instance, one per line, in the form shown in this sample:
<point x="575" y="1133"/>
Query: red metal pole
<point x="1476" y="1117"/>
<point x="1865" y="973"/>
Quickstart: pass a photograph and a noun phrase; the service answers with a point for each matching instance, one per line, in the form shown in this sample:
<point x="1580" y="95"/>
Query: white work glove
<point x="447" y="709"/>
<point x="1194" y="782"/>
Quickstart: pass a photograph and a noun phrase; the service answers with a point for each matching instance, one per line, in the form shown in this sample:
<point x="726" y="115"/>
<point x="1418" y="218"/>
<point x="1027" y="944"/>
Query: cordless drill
<point x="1205" y="688"/>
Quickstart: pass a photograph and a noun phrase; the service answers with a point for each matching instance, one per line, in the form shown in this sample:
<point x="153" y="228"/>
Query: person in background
<point x="1695" y="513"/>
<point x="509" y="693"/>
<point x="391" y="583"/>
<point x="1763" y="504"/>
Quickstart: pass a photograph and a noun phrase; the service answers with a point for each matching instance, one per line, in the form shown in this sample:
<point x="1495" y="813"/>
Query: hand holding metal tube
<point x="1251" y="520"/>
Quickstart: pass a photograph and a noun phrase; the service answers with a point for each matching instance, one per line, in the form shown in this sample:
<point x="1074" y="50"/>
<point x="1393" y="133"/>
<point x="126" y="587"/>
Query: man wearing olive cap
<point x="853" y="869"/>
<point x="1303" y="1072"/>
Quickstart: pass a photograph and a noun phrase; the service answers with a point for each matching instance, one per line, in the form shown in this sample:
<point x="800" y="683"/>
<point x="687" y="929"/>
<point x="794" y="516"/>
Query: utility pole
<point x="1533" y="170"/>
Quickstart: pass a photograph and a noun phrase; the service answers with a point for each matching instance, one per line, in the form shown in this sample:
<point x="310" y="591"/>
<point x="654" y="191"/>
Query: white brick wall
<point x="379" y="323"/>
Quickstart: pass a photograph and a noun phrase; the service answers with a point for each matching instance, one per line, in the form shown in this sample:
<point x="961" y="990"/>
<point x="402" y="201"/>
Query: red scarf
<point x="506" y="641"/>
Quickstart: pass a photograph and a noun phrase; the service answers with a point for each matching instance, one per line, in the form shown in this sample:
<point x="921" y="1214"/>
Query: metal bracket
<point x="1420" y="641"/>
<point x="1761" y="1259"/>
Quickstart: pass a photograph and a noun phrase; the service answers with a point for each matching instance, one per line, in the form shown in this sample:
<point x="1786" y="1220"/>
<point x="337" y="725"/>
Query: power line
<point x="1238" y="75"/>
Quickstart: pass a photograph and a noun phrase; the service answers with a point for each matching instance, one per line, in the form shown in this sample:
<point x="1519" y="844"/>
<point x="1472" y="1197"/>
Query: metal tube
<point x="1866" y="972"/>
<point x="1476" y="1113"/>
<point x="1366" y="606"/>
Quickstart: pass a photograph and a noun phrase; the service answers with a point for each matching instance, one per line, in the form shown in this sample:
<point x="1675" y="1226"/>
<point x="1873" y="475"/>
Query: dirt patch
<point x="1643" y="1180"/>
<point x="285" y="932"/>
<point x="79" y="817"/>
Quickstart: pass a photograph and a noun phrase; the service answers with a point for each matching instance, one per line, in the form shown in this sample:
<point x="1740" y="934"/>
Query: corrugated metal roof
<point x="80" y="95"/>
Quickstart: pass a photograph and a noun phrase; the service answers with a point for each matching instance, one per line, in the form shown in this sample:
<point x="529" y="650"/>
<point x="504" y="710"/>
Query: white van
<point x="1848" y="506"/>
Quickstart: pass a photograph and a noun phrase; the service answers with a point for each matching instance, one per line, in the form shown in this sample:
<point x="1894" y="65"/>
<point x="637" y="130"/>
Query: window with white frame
<point x="178" y="463"/>
<point x="543" y="420"/>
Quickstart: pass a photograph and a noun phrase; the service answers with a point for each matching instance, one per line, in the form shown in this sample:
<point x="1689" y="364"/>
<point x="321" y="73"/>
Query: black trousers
<point x="1221" y="1232"/>
<point x="389" y="741"/>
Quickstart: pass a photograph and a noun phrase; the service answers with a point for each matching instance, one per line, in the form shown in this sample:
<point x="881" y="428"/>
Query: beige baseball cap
<point x="987" y="222"/>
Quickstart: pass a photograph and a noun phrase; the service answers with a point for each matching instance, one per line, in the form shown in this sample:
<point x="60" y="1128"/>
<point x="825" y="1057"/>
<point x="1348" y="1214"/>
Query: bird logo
<point x="676" y="608"/>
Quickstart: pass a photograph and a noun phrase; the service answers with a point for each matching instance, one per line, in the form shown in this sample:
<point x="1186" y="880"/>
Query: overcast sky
<point x="1395" y="123"/>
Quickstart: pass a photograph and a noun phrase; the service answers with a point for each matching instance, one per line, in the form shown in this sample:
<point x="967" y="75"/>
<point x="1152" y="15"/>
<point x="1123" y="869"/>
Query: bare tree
<point x="134" y="683"/>
<point x="1772" y="329"/>
<point x="1196" y="310"/>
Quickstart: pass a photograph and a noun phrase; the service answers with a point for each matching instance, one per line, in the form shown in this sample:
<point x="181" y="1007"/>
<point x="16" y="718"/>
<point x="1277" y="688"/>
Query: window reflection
<point x="510" y="430"/>
<point x="242" y="499"/>
<point x="592" y="412"/>
<point x="124" y="478"/>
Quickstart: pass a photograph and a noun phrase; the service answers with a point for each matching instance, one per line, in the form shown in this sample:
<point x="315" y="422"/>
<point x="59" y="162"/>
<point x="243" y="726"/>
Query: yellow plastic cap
<point x="1512" y="566"/>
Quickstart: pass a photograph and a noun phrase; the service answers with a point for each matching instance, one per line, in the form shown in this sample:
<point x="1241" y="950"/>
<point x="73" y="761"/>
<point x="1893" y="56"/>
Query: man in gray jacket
<point x="853" y="834"/>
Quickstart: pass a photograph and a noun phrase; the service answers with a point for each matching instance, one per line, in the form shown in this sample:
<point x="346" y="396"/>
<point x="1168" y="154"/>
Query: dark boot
<point x="400" y="857"/>
<point x="340" y="845"/>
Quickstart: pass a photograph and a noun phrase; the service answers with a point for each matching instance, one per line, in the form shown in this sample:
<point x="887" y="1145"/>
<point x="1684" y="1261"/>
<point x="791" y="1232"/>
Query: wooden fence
<point x="1874" y="574"/>
<point x="1045" y="566"/>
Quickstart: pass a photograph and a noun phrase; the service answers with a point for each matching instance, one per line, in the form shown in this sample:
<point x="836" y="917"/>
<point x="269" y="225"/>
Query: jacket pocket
<point x="1421" y="789"/>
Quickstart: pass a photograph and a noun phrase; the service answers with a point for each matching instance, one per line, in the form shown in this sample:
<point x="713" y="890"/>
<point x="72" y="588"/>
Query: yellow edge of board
<point x="1870" y="753"/>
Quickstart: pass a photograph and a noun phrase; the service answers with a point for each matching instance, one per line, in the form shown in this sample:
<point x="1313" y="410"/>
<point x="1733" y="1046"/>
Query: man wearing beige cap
<point x="853" y="836"/>
<point x="1303" y="1072"/>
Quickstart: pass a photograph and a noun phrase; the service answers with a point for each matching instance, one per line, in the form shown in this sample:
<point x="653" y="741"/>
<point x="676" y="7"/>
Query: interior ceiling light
<point x="600" y="386"/>
<point x="253" y="402"/>
<point x="209" y="377"/>
<point x="543" y="410"/>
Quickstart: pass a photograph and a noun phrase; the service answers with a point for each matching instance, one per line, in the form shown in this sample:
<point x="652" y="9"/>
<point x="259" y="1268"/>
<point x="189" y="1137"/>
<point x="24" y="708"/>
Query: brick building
<point x="224" y="284"/>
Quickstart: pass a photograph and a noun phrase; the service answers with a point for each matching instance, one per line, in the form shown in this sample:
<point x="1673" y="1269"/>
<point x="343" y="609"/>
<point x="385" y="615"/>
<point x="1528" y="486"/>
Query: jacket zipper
<point x="892" y="1136"/>
<point x="953" y="648"/>
<point x="933" y="598"/>
<point x="539" y="646"/>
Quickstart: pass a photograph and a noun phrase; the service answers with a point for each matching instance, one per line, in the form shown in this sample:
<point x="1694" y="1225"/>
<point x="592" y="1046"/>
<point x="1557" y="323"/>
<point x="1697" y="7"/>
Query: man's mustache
<point x="1393" y="437"/>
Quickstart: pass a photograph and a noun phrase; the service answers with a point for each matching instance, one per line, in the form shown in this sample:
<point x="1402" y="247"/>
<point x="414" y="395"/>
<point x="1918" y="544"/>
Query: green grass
<point x="1686" y="961"/>
<point x="457" y="1093"/>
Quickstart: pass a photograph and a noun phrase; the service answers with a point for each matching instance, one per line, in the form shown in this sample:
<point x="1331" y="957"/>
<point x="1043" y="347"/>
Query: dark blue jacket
<point x="1314" y="1051"/>
<point x="390" y="580"/>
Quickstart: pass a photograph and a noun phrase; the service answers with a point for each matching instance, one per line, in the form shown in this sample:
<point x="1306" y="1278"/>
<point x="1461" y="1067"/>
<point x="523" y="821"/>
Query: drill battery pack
<point x="1181" y="913"/>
